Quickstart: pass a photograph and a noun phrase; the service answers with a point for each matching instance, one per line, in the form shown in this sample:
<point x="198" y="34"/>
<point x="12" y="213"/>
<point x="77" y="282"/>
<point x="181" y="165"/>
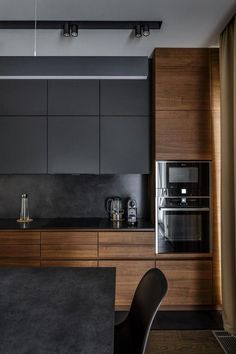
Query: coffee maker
<point x="115" y="209"/>
<point x="132" y="211"/>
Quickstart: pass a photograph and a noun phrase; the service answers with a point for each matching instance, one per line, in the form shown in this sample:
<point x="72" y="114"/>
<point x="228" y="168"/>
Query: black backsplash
<point x="52" y="196"/>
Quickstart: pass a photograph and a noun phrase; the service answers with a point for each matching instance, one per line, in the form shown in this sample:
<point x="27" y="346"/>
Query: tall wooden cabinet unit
<point x="182" y="104"/>
<point x="186" y="122"/>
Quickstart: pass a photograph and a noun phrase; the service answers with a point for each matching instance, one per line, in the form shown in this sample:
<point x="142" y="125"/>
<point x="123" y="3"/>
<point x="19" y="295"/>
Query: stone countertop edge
<point x="80" y="224"/>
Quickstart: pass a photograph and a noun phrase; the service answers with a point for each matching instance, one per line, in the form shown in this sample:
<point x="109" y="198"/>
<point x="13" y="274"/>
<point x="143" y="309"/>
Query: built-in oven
<point x="183" y="207"/>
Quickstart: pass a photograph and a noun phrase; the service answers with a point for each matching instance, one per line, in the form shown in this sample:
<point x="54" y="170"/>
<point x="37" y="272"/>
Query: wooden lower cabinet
<point x="19" y="262"/>
<point x="126" y="245"/>
<point x="189" y="281"/>
<point x="128" y="275"/>
<point x="69" y="245"/>
<point x="53" y="263"/>
<point x="19" y="248"/>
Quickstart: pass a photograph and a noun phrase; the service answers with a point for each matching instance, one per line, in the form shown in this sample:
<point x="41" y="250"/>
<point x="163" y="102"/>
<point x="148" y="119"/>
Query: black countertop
<point x="76" y="223"/>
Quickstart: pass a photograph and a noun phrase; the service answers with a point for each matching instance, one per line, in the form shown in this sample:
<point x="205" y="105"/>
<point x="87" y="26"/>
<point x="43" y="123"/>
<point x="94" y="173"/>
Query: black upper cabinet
<point x="125" y="97"/>
<point x="23" y="145"/>
<point x="73" y="144"/>
<point x="73" y="97"/>
<point x="23" y="97"/>
<point x="125" y="145"/>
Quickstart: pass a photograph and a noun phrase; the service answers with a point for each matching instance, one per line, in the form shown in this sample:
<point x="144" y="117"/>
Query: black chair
<point x="131" y="335"/>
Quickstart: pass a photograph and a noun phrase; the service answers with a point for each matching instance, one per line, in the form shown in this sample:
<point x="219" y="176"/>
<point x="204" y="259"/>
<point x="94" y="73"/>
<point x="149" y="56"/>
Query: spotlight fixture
<point x="66" y="29"/>
<point x="138" y="31"/>
<point x="146" y="30"/>
<point x="74" y="30"/>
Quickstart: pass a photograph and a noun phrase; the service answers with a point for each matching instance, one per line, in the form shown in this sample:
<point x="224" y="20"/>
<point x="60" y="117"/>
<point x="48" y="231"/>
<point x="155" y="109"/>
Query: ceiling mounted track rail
<point x="96" y="25"/>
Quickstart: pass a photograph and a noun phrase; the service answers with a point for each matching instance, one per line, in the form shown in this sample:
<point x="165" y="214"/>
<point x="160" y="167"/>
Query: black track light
<point x="74" y="30"/>
<point x="138" y="31"/>
<point x="66" y="29"/>
<point x="146" y="30"/>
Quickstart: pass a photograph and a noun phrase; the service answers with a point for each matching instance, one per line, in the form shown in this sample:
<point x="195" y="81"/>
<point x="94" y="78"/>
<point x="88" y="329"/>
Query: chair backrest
<point x="147" y="299"/>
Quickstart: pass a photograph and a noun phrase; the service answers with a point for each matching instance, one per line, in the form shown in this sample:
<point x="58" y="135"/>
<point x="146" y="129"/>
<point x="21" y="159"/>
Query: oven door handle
<point x="184" y="209"/>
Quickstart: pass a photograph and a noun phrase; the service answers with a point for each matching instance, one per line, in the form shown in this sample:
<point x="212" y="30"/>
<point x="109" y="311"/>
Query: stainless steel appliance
<point x="132" y="211"/>
<point x="183" y="206"/>
<point x="115" y="209"/>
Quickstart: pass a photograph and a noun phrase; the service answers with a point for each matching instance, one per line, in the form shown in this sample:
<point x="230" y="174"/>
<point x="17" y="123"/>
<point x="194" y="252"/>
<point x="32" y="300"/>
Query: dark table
<point x="57" y="310"/>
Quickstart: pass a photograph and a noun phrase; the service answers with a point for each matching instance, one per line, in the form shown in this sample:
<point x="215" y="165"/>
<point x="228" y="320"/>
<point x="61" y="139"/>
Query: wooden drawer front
<point x="27" y="251"/>
<point x="128" y="275"/>
<point x="19" y="237"/>
<point x="18" y="262"/>
<point x="68" y="237"/>
<point x="64" y="251"/>
<point x="189" y="282"/>
<point x="126" y="245"/>
<point x="69" y="264"/>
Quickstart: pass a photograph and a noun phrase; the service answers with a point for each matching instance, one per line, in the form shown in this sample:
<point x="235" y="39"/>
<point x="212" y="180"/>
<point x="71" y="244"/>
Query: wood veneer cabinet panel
<point x="128" y="275"/>
<point x="20" y="250"/>
<point x="189" y="281"/>
<point x="190" y="59"/>
<point x="66" y="251"/>
<point x="18" y="262"/>
<point x="126" y="245"/>
<point x="215" y="79"/>
<point x="69" y="264"/>
<point x="68" y="237"/>
<point x="182" y="79"/>
<point x="216" y="180"/>
<point x="19" y="237"/>
<point x="183" y="135"/>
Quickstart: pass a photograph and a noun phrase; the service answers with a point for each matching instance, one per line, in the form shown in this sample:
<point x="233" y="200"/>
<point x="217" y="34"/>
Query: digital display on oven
<point x="183" y="175"/>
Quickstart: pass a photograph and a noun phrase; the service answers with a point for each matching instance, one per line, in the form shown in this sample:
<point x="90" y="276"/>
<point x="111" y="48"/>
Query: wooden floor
<point x="183" y="342"/>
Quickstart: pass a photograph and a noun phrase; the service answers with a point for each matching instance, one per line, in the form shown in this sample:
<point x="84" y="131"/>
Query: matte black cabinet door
<point x="23" y="97"/>
<point x="125" y="97"/>
<point x="23" y="145"/>
<point x="73" y="144"/>
<point x="125" y="145"/>
<point x="73" y="97"/>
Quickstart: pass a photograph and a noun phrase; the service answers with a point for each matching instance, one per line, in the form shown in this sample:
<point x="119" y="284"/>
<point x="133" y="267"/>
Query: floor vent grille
<point x="226" y="340"/>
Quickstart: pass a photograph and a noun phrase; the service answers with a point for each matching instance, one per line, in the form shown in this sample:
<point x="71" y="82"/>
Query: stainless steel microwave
<point x="190" y="178"/>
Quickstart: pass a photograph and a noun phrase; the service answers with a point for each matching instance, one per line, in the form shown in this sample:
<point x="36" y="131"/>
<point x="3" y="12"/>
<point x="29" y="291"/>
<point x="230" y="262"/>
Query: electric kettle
<point x="115" y="209"/>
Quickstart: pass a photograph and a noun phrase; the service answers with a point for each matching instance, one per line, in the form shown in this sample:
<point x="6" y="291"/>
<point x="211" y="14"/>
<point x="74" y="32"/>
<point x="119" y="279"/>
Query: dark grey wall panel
<point x="52" y="196"/>
<point x="23" y="97"/>
<point x="23" y="144"/>
<point x="73" y="97"/>
<point x="73" y="144"/>
<point x="125" y="144"/>
<point x="125" y="97"/>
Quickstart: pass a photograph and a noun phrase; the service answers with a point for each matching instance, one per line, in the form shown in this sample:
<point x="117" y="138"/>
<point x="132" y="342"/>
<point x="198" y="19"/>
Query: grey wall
<point x="69" y="195"/>
<point x="185" y="24"/>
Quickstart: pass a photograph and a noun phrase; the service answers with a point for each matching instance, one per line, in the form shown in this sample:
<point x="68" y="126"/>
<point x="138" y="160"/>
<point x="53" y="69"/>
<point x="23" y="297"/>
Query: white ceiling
<point x="186" y="23"/>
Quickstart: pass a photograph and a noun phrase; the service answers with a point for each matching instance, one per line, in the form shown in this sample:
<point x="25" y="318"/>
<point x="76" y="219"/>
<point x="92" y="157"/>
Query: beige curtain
<point x="228" y="174"/>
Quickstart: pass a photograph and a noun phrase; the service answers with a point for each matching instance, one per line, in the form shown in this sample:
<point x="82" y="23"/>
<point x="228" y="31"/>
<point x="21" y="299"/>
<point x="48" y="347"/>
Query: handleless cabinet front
<point x="125" y="144"/>
<point x="125" y="97"/>
<point x="73" y="97"/>
<point x="23" y="145"/>
<point x="73" y="144"/>
<point x="23" y="97"/>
